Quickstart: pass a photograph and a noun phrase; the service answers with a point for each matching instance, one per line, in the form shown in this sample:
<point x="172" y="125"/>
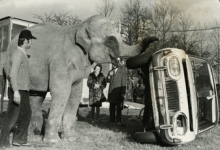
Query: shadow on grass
<point x="131" y="123"/>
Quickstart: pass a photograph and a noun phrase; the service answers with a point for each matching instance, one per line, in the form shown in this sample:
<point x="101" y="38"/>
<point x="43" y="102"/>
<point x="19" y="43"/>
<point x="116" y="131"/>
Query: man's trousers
<point x="19" y="114"/>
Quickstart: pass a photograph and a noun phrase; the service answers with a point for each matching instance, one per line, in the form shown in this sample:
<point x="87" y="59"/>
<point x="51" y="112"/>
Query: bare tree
<point x="183" y="37"/>
<point x="135" y="21"/>
<point x="145" y="23"/>
<point x="215" y="40"/>
<point x="106" y="8"/>
<point x="164" y="19"/>
<point x="130" y="21"/>
<point x="202" y="44"/>
<point x="185" y="23"/>
<point x="60" y="18"/>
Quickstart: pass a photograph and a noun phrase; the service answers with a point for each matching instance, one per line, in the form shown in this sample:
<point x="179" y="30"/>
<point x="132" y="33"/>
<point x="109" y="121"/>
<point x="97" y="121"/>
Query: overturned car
<point x="183" y="96"/>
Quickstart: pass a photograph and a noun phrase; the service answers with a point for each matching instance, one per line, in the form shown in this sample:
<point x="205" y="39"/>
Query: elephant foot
<point x="69" y="136"/>
<point x="51" y="139"/>
<point x="35" y="137"/>
<point x="70" y="139"/>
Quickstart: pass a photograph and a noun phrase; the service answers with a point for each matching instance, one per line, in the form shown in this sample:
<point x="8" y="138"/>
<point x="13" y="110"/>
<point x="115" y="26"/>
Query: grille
<point x="172" y="96"/>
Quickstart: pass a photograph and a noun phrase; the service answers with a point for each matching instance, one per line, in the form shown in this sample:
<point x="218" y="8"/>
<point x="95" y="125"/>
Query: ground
<point x="109" y="136"/>
<point x="130" y="121"/>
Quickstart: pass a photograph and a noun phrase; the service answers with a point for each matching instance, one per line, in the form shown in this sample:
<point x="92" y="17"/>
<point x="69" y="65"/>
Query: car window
<point x="206" y="93"/>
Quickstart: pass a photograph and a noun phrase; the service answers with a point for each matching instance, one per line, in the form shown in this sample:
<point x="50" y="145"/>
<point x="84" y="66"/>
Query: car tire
<point x="146" y="137"/>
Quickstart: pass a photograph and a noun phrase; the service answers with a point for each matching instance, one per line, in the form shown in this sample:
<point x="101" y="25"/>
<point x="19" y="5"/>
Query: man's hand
<point x="17" y="97"/>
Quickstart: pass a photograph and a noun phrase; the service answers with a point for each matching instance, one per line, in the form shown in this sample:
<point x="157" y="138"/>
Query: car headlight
<point x="174" y="69"/>
<point x="174" y="66"/>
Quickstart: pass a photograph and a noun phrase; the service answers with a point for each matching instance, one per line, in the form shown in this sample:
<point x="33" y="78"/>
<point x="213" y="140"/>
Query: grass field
<point x="109" y="136"/>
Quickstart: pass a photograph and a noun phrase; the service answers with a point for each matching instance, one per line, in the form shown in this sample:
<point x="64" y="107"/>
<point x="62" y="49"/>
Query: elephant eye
<point x="112" y="43"/>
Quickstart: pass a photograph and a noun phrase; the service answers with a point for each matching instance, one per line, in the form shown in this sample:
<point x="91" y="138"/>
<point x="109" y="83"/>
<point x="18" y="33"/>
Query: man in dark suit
<point x="117" y="79"/>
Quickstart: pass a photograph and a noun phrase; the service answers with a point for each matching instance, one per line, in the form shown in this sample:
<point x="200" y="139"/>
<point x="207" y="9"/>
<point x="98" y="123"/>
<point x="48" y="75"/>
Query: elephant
<point x="60" y="58"/>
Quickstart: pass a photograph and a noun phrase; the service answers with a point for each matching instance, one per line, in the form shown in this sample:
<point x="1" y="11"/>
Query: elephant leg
<point x="70" y="113"/>
<point x="36" y="100"/>
<point x="62" y="77"/>
<point x="58" y="104"/>
<point x="60" y="87"/>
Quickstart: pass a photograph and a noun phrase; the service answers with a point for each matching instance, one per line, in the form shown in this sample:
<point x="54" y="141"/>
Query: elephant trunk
<point x="130" y="51"/>
<point x="138" y="61"/>
<point x="142" y="59"/>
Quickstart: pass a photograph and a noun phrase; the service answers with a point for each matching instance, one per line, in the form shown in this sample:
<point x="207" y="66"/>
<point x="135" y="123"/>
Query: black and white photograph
<point x="109" y="74"/>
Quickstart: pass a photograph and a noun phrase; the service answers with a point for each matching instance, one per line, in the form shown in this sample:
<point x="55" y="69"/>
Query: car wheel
<point x="145" y="137"/>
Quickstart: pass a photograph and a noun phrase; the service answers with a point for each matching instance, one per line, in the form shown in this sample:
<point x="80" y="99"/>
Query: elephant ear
<point x="83" y="37"/>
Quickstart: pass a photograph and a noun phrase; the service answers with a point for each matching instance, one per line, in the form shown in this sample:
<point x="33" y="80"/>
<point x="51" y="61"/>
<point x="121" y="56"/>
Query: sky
<point x="205" y="11"/>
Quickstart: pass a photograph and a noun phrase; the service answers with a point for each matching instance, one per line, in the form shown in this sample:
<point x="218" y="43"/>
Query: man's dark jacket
<point x="117" y="86"/>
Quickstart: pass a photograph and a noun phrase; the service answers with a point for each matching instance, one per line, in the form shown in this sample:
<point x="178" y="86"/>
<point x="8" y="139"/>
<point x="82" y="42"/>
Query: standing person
<point x="96" y="83"/>
<point x="19" y="111"/>
<point x="117" y="79"/>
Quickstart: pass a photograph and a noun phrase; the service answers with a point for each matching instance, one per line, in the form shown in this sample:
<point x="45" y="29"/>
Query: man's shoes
<point x="24" y="144"/>
<point x="16" y="144"/>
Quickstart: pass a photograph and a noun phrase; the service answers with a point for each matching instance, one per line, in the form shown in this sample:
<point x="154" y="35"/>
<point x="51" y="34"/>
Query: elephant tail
<point x="3" y="88"/>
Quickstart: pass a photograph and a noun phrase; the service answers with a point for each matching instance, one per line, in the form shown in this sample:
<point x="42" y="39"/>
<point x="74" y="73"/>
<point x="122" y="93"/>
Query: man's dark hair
<point x="21" y="41"/>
